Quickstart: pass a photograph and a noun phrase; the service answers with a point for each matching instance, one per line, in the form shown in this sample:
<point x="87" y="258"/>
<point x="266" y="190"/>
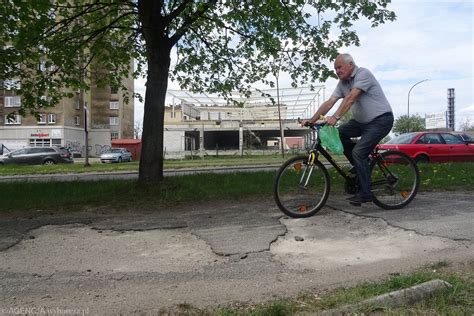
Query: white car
<point x="116" y="155"/>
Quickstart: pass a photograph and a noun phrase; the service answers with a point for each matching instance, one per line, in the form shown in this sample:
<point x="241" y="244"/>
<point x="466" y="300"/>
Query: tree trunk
<point x="151" y="160"/>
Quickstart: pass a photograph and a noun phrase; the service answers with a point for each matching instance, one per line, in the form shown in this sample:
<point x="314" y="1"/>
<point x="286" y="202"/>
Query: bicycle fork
<point x="308" y="171"/>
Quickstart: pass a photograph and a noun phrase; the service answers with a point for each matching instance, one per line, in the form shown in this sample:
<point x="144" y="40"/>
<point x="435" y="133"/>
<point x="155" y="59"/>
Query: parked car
<point x="37" y="156"/>
<point x="116" y="155"/>
<point x="465" y="137"/>
<point x="432" y="146"/>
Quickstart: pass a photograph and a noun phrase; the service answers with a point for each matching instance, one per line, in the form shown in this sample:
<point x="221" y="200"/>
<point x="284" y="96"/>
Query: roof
<point x="297" y="102"/>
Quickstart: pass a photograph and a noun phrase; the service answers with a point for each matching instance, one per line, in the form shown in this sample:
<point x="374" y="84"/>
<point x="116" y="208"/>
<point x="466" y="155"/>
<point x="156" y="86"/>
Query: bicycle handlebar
<point x="317" y="124"/>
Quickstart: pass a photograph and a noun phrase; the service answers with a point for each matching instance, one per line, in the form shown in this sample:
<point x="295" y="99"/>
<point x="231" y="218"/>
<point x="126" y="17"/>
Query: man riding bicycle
<point x="372" y="118"/>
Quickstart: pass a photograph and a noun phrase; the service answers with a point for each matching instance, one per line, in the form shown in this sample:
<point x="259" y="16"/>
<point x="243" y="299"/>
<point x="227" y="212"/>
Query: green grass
<point x="457" y="300"/>
<point x="447" y="176"/>
<point x="207" y="161"/>
<point x="191" y="188"/>
<point x="11" y="170"/>
<point x="195" y="162"/>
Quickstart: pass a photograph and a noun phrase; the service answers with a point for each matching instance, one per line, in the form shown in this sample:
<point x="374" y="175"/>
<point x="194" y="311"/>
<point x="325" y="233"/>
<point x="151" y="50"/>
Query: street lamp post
<point x="408" y="110"/>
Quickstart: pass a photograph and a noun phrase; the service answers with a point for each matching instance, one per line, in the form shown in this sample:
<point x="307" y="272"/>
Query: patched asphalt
<point x="217" y="253"/>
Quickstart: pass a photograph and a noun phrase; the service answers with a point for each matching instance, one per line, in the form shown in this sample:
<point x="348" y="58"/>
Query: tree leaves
<point x="54" y="44"/>
<point x="221" y="46"/>
<point x="405" y="124"/>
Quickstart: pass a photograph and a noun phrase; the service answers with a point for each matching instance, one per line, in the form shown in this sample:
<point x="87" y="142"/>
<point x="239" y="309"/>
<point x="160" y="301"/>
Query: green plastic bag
<point x="330" y="139"/>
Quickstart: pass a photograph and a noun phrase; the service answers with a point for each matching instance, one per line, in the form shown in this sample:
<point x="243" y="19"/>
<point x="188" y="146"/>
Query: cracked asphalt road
<point x="211" y="254"/>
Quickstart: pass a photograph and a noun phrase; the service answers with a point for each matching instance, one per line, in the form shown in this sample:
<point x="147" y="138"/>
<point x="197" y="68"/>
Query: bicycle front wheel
<point x="395" y="180"/>
<point x="301" y="189"/>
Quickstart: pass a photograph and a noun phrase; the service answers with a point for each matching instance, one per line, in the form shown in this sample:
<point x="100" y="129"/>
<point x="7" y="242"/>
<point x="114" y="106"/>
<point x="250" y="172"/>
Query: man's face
<point x="343" y="69"/>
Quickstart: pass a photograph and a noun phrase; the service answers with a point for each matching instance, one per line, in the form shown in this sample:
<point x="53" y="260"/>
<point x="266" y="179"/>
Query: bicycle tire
<point x="395" y="179"/>
<point x="297" y="200"/>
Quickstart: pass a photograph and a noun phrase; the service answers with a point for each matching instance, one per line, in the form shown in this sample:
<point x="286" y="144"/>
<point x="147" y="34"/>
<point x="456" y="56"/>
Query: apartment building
<point x="103" y="110"/>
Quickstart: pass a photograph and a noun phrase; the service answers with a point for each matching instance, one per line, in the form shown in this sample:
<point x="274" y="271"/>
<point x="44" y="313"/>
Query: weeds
<point x="452" y="301"/>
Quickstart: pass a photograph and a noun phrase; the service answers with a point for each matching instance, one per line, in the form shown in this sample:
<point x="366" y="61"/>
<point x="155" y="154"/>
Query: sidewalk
<point x="216" y="253"/>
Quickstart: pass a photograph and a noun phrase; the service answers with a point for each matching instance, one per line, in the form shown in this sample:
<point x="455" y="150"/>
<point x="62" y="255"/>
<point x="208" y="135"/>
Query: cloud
<point x="468" y="109"/>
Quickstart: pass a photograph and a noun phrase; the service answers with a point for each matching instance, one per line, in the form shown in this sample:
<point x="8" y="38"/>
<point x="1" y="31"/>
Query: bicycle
<point x="302" y="184"/>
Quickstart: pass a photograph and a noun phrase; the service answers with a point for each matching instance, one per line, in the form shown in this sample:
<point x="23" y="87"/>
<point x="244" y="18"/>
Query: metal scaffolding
<point x="260" y="105"/>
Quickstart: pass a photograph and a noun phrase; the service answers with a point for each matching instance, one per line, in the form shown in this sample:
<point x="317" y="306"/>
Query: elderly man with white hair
<point x="372" y="118"/>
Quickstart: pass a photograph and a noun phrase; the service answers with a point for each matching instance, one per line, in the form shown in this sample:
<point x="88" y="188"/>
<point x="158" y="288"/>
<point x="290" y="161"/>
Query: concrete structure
<point x="108" y="117"/>
<point x="199" y="124"/>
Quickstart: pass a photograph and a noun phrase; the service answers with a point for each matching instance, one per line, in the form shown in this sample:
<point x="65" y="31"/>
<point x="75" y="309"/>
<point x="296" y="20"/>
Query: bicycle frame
<point x="317" y="148"/>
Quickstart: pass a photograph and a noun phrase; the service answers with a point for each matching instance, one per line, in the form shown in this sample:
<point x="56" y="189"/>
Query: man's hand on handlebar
<point x="331" y="120"/>
<point x="307" y="123"/>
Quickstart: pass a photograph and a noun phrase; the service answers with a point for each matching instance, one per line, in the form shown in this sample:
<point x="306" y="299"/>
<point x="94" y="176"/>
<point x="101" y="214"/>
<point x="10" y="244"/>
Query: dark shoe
<point x="359" y="199"/>
<point x="352" y="170"/>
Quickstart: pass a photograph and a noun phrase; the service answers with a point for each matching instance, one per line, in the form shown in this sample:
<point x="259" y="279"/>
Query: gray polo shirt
<point x="371" y="103"/>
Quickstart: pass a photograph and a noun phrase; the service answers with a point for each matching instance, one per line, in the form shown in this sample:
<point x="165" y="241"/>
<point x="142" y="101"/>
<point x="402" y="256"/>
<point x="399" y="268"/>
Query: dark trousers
<point x="358" y="153"/>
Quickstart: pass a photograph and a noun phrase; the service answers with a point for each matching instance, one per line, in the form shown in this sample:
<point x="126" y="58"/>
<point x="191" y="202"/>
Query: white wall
<point x="174" y="144"/>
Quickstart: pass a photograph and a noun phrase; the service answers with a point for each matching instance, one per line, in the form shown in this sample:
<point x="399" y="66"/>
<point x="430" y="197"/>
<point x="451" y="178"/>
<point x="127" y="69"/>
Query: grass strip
<point x="451" y="301"/>
<point x="191" y="188"/>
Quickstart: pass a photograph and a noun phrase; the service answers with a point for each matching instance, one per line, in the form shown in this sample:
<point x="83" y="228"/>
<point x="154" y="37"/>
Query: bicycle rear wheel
<point x="301" y="189"/>
<point x="395" y="179"/>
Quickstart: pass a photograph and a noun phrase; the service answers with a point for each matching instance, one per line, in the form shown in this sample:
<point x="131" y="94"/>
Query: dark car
<point x="37" y="156"/>
<point x="432" y="146"/>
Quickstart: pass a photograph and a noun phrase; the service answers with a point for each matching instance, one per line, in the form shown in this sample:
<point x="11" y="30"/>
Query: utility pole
<point x="408" y="110"/>
<point x="86" y="137"/>
<point x="282" y="136"/>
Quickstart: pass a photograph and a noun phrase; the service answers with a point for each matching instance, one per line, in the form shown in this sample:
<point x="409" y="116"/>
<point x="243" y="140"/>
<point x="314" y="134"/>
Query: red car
<point x="432" y="146"/>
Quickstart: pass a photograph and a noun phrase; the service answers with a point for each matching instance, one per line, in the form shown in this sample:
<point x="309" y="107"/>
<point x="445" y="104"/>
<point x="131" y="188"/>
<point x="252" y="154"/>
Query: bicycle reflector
<point x="303" y="208"/>
<point x="405" y="194"/>
<point x="297" y="166"/>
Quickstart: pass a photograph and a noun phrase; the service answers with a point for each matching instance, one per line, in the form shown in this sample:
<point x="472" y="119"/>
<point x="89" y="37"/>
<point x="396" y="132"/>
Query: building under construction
<point x="201" y="124"/>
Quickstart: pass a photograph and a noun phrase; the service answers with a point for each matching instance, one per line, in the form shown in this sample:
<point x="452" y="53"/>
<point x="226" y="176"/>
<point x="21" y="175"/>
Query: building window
<point x="42" y="118"/>
<point x="78" y="104"/>
<point x="113" y="90"/>
<point x="15" y="120"/>
<point x="52" y="118"/>
<point x="114" y="105"/>
<point x="11" y="102"/>
<point x="114" y="135"/>
<point x="114" y="120"/>
<point x="45" y="142"/>
<point x="46" y="66"/>
<point x="12" y="84"/>
<point x="77" y="120"/>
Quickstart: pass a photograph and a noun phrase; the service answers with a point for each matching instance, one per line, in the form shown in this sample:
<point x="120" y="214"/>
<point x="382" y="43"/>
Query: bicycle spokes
<point x="301" y="188"/>
<point x="395" y="180"/>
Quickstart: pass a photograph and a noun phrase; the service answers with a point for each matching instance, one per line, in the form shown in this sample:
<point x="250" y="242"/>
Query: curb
<point x="394" y="299"/>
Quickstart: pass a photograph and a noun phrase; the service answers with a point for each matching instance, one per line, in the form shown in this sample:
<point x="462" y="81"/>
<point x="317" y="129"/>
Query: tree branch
<point x="189" y="20"/>
<point x="174" y="14"/>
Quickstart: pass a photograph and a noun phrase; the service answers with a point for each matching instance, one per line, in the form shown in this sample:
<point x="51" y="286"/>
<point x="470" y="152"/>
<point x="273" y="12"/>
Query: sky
<point x="430" y="39"/>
